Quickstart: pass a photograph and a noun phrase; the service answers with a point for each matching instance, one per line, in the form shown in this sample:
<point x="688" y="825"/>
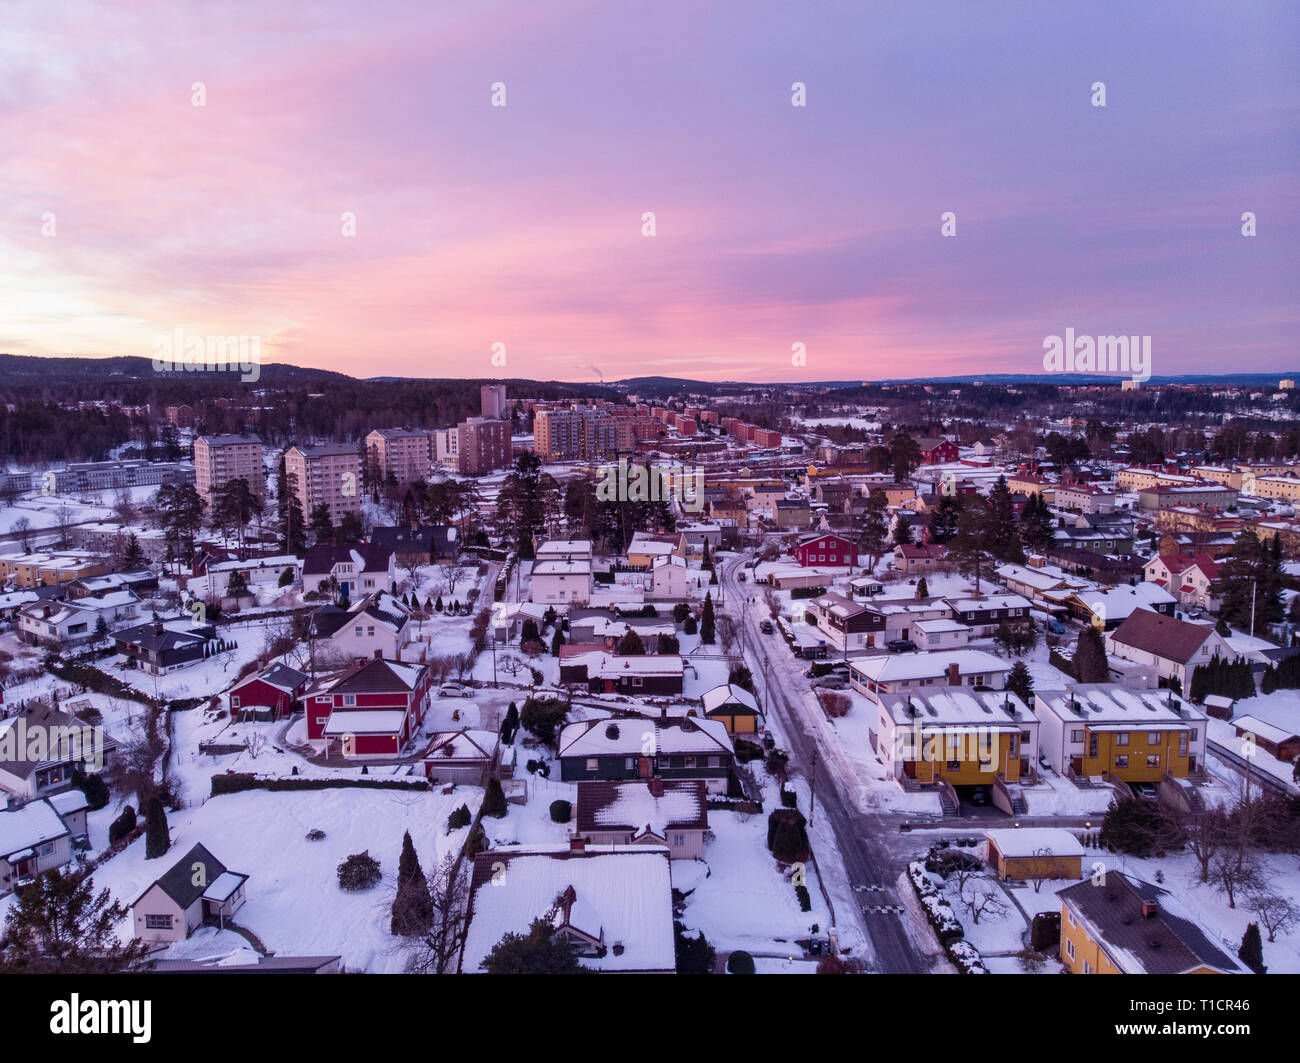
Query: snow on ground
<point x="741" y="900"/>
<point x="996" y="933"/>
<point x="294" y="902"/>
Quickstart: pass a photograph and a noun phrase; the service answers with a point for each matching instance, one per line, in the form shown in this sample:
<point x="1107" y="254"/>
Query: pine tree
<point x="59" y="925"/>
<point x="1251" y="952"/>
<point x="322" y="524"/>
<point x="1021" y="683"/>
<point x="412" y="907"/>
<point x="943" y="520"/>
<point x="157" y="839"/>
<point x="1003" y="531"/>
<point x="1090" y="664"/>
<point x="510" y="724"/>
<point x="1037" y="526"/>
<point x="706" y="621"/>
<point x="557" y="640"/>
<point x="970" y="548"/>
<point x="630" y="645"/>
<point x="874" y="528"/>
<point x="133" y="557"/>
<point x="494" y="800"/>
<point x="902" y="532"/>
<point x="922" y="588"/>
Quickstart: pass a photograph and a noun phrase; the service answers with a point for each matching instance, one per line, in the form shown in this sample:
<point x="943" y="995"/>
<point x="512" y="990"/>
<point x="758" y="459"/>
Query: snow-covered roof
<point x="1102" y="704"/>
<point x="936" y="627"/>
<point x="562" y="568"/>
<point x="726" y="694"/>
<point x="1262" y="729"/>
<point x="904" y="666"/>
<point x="70" y="801"/>
<point x="28" y="826"/>
<point x="633" y="805"/>
<point x="1035" y="841"/>
<point x="623" y="896"/>
<point x="223" y="886"/>
<point x="630" y="737"/>
<point x="366" y="721"/>
<point x="991" y="601"/>
<point x="999" y="710"/>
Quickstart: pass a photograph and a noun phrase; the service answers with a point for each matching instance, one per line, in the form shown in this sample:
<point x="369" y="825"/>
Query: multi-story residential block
<point x="108" y="475"/>
<point x="1108" y="729"/>
<point x="220" y="459"/>
<point x="492" y="401"/>
<point x="1164" y="497"/>
<point x="446" y="448"/>
<point x="328" y="473"/>
<point x="400" y="453"/>
<point x="482" y="445"/>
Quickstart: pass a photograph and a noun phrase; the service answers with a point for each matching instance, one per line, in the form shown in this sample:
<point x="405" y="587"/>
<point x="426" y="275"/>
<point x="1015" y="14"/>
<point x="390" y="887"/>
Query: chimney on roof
<point x="954" y="675"/>
<point x="577" y="844"/>
<point x="656" y="787"/>
<point x="157" y="625"/>
<point x="1149" y="908"/>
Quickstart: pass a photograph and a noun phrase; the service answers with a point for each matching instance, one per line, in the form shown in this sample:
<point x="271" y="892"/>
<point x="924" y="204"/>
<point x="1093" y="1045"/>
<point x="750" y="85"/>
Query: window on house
<point x="1087" y="967"/>
<point x="1076" y="734"/>
<point x="1182" y="744"/>
<point x="321" y="721"/>
<point x="954" y="765"/>
<point x="1092" y="745"/>
<point x="1069" y="948"/>
<point x="234" y="701"/>
<point x="591" y="763"/>
<point x="158" y="922"/>
<point x="47" y="848"/>
<point x="1121" y="760"/>
<point x="1153" y="760"/>
<point x="349" y="699"/>
<point x="1121" y="739"/>
<point x="690" y="762"/>
<point x="1153" y="739"/>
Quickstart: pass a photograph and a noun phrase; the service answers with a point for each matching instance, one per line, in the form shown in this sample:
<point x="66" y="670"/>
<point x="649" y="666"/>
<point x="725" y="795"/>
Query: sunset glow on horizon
<point x="130" y="211"/>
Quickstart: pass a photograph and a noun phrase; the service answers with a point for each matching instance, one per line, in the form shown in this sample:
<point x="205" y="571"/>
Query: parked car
<point x="1056" y="627"/>
<point x="455" y="690"/>
<point x="831" y="682"/>
<point x="741" y="577"/>
<point x="1144" y="790"/>
<point x="980" y="796"/>
<point x="766" y="627"/>
<point x="902" y="646"/>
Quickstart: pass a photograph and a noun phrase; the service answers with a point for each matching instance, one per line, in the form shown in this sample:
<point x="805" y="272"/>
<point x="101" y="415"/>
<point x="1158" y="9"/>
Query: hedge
<point x="238" y="782"/>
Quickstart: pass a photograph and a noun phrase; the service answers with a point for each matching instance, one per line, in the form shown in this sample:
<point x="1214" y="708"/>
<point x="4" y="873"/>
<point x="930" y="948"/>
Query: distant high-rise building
<point x="329" y="473"/>
<point x="446" y="448"/>
<point x="483" y="444"/>
<point x="1286" y="384"/>
<point x="402" y="453"/>
<point x="492" y="399"/>
<point x="220" y="459"/>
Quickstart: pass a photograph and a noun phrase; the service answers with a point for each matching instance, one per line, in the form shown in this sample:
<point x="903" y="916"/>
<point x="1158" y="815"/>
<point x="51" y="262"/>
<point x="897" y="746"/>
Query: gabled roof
<point x="1163" y="636"/>
<point x="462" y="745"/>
<point x="727" y="694"/>
<point x="611" y="737"/>
<point x="280" y="676"/>
<point x="377" y="677"/>
<point x="179" y="881"/>
<point x="368" y="557"/>
<point x="1164" y="942"/>
<point x="28" y="826"/>
<point x="434" y="538"/>
<point x="631" y="806"/>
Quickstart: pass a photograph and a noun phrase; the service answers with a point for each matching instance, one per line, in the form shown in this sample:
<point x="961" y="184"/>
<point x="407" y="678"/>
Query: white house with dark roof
<point x="197" y="889"/>
<point x="1175" y="648"/>
<point x="567" y="582"/>
<point x="899" y="673"/>
<point x="33" y="839"/>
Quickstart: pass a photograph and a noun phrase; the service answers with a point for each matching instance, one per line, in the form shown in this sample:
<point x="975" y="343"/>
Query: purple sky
<point x="775" y="224"/>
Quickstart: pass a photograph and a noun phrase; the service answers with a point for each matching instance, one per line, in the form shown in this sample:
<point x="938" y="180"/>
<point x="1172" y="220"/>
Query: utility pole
<point x="1252" y="608"/>
<point x="812" y="798"/>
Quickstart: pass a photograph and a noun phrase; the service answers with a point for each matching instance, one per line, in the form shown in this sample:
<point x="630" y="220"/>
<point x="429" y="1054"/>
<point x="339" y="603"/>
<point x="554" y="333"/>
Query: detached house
<point x="603" y="672"/>
<point x="984" y="615"/>
<point x="1107" y="609"/>
<point x="276" y="690"/>
<point x="561" y="582"/>
<point x="907" y="672"/>
<point x="621" y="749"/>
<point x="935" y="451"/>
<point x="33" y="839"/>
<point x="462" y="756"/>
<point x="922" y="559"/>
<point x="1174" y="647"/>
<point x="1127" y="926"/>
<point x="614" y="904"/>
<point x="197" y="890"/>
<point x="1188" y="577"/>
<point x="654" y="812"/>
<point x="826" y="549"/>
<point x="732" y="706"/>
<point x="847" y="625"/>
<point x="359" y="569"/>
<point x="378" y="624"/>
<point x="41" y="748"/>
<point x="157" y="649"/>
<point x="372" y="709"/>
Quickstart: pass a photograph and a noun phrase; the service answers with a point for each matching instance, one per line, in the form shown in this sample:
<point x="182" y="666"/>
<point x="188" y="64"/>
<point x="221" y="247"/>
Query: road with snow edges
<point x="870" y="867"/>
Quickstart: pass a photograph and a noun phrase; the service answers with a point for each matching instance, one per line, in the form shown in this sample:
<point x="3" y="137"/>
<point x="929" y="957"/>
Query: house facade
<point x="371" y="709"/>
<point x="655" y="812"/>
<point x="619" y="750"/>
<point x="827" y="549"/>
<point x="197" y="889"/>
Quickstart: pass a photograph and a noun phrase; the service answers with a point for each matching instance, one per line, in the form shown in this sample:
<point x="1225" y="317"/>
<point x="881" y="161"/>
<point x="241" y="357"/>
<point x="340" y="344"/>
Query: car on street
<point x="1056" y="627"/>
<point x="766" y="627"/>
<point x="741" y="577"/>
<point x="455" y="690"/>
<point x="901" y="646"/>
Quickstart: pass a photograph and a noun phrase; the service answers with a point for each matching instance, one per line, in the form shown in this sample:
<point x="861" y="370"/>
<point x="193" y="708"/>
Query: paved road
<point x="871" y="869"/>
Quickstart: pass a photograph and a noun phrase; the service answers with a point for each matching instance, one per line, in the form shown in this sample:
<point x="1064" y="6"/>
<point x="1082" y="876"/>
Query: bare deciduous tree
<point x="1276" y="914"/>
<point x="1234" y="873"/>
<point x="983" y="898"/>
<point x="436" y="951"/>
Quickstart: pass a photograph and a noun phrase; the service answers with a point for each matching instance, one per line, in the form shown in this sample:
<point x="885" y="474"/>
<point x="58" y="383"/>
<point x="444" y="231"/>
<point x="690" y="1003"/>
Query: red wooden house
<point x="277" y="688"/>
<point x="369" y="710"/>
<point x="937" y="451"/>
<point x="826" y="549"/>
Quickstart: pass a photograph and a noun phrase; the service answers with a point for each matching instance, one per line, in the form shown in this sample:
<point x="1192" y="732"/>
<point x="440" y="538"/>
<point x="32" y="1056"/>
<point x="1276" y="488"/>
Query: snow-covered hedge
<point x="920" y="880"/>
<point x="937" y="910"/>
<point x="967" y="958"/>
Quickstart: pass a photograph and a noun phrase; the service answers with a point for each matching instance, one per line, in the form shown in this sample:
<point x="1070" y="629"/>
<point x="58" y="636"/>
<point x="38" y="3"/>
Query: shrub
<point x="494" y="800"/>
<point x="94" y="787"/>
<point x="358" y="872"/>
<point x="561" y="811"/>
<point x="122" y="826"/>
<point x="789" y="799"/>
<point x="681" y="611"/>
<point x="315" y="835"/>
<point x="787" y="837"/>
<point x="476" y="842"/>
<point x="1045" y="931"/>
<point x="835" y="704"/>
<point x="805" y="901"/>
<point x="543" y="717"/>
<point x="740" y="962"/>
<point x="691" y="626"/>
<point x="747" y="750"/>
<point x="157" y="840"/>
<point x="459" y="818"/>
<point x="1138" y="828"/>
<point x="694" y="954"/>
